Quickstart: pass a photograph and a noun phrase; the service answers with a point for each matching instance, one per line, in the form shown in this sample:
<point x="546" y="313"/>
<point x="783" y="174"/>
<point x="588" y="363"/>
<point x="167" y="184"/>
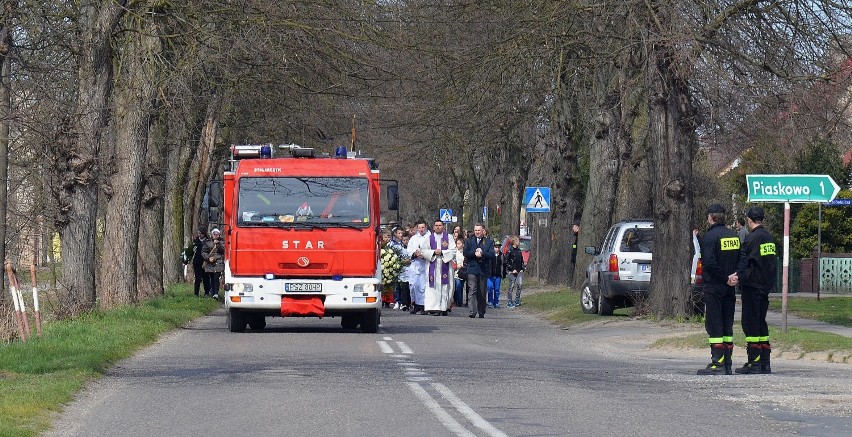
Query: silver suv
<point x="620" y="271"/>
<point x="621" y="268"/>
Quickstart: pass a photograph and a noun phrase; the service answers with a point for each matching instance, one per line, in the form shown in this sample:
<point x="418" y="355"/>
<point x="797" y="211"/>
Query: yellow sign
<point x="767" y="249"/>
<point x="731" y="243"/>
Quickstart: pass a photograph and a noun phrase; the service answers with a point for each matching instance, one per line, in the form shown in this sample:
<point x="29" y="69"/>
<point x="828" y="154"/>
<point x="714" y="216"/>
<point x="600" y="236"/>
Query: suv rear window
<point x="637" y="240"/>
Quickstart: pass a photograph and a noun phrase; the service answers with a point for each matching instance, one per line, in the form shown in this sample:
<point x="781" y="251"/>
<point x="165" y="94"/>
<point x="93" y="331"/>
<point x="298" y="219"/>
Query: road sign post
<point x="537" y="199"/>
<point x="789" y="188"/>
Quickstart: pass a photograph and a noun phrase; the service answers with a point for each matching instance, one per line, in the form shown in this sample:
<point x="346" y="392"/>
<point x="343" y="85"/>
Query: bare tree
<point x="5" y="120"/>
<point x="134" y="100"/>
<point x="80" y="166"/>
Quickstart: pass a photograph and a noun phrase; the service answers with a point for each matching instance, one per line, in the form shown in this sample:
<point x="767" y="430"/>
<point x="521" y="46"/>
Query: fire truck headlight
<point x="239" y="287"/>
<point x="364" y="288"/>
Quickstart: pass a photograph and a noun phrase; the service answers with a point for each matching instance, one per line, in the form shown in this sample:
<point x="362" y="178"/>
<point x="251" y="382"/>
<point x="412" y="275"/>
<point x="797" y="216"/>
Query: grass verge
<point x="39" y="376"/>
<point x="836" y="310"/>
<point x="562" y="307"/>
<point x="804" y="341"/>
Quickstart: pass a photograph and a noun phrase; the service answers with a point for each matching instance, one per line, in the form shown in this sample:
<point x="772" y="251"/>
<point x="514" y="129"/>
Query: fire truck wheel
<point x="256" y="323"/>
<point x="350" y="321"/>
<point x="370" y="321"/>
<point x="236" y="320"/>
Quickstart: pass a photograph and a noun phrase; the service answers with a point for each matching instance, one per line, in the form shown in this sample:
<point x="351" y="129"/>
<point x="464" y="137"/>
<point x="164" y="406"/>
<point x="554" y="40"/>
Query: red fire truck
<point x="302" y="236"/>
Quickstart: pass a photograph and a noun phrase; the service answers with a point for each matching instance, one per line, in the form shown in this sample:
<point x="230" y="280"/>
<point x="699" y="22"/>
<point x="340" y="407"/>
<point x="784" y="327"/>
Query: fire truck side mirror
<point x="214" y="194"/>
<point x="214" y="202"/>
<point x="393" y="197"/>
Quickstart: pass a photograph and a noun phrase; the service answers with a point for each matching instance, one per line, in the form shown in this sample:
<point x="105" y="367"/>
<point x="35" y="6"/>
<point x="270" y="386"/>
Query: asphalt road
<point x="508" y="374"/>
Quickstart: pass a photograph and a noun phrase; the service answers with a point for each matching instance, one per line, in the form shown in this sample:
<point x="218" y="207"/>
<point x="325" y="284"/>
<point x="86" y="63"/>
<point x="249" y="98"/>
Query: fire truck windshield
<point x="301" y="201"/>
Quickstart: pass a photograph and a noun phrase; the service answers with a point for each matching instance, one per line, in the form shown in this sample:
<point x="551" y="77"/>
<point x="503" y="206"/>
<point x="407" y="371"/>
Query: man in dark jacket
<point x="478" y="256"/>
<point x="756" y="273"/>
<point x="201" y="277"/>
<point x="720" y="252"/>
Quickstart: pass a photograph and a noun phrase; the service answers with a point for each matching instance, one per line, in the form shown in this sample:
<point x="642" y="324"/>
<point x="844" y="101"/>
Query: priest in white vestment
<point x="439" y="249"/>
<point x="418" y="278"/>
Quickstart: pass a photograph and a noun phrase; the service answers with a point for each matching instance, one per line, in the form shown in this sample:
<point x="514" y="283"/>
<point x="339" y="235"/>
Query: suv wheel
<point x="587" y="299"/>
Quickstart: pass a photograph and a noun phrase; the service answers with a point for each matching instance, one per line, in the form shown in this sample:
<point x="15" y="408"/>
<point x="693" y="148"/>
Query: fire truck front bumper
<point x="338" y="297"/>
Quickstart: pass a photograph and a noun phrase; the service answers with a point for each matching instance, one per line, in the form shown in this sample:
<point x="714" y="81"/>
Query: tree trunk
<point x="152" y="239"/>
<point x="566" y="207"/>
<point x="604" y="171"/>
<point x="619" y="185"/>
<point x="672" y="128"/>
<point x="150" y="259"/>
<point x="5" y="119"/>
<point x="177" y="167"/>
<point x="79" y="165"/>
<point x="134" y="98"/>
<point x="203" y="167"/>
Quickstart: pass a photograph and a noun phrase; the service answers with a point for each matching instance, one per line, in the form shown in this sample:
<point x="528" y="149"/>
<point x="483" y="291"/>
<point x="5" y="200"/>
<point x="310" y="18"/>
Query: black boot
<point x="765" y="350"/>
<point x="729" y="363"/>
<point x="753" y="365"/>
<point x="717" y="361"/>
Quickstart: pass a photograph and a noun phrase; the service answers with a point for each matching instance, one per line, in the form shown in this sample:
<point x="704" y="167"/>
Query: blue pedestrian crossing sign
<point x="446" y="215"/>
<point x="537" y="199"/>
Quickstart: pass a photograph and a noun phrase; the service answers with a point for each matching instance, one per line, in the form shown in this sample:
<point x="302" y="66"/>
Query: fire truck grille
<point x="316" y="266"/>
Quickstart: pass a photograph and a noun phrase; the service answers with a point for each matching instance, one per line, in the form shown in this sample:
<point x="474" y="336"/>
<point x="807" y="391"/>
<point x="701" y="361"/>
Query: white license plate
<point x="645" y="268"/>
<point x="303" y="286"/>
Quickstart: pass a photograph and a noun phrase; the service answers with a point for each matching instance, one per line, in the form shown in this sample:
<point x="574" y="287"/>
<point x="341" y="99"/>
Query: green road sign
<point x="796" y="188"/>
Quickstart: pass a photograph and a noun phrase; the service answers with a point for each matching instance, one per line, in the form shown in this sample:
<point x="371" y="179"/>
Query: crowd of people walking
<point x="446" y="270"/>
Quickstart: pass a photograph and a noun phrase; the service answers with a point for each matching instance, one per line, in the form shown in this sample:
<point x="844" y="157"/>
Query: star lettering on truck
<point x="297" y="244"/>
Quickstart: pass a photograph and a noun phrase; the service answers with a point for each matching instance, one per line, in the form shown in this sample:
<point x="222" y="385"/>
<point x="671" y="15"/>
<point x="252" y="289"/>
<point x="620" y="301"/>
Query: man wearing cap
<point x="720" y="251"/>
<point x="756" y="274"/>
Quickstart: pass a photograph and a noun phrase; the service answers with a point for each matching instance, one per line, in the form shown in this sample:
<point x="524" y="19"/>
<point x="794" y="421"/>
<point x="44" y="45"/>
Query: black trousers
<point x="404" y="293"/>
<point x="201" y="277"/>
<point x="719" y="303"/>
<point x="755" y="306"/>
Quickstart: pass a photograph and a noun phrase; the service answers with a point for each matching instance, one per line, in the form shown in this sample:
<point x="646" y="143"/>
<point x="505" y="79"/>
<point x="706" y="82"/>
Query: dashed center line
<point x="419" y="383"/>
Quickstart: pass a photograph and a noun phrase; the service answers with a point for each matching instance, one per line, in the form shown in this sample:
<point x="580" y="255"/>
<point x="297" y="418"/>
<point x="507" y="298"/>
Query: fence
<point x="833" y="275"/>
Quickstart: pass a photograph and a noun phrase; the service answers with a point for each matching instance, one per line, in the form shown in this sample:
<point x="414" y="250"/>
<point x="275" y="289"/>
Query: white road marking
<point x="404" y="348"/>
<point x="415" y="374"/>
<point x="439" y="412"/>
<point x="384" y="347"/>
<point x="468" y="412"/>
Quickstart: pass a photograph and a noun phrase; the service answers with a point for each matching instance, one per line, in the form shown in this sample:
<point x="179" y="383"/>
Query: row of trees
<point x="118" y="112"/>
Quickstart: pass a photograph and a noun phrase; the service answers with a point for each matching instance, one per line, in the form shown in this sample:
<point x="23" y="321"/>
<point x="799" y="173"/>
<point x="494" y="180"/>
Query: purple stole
<point x="445" y="268"/>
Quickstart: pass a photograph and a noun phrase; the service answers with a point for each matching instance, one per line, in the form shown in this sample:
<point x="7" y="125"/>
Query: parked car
<point x="620" y="271"/>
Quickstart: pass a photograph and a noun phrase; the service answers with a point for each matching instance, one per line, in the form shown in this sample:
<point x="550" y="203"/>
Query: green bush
<point x="836" y="229"/>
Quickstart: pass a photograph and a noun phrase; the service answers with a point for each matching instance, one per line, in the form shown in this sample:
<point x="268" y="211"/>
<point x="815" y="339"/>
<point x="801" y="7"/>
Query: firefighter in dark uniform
<point x="720" y="252"/>
<point x="756" y="274"/>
